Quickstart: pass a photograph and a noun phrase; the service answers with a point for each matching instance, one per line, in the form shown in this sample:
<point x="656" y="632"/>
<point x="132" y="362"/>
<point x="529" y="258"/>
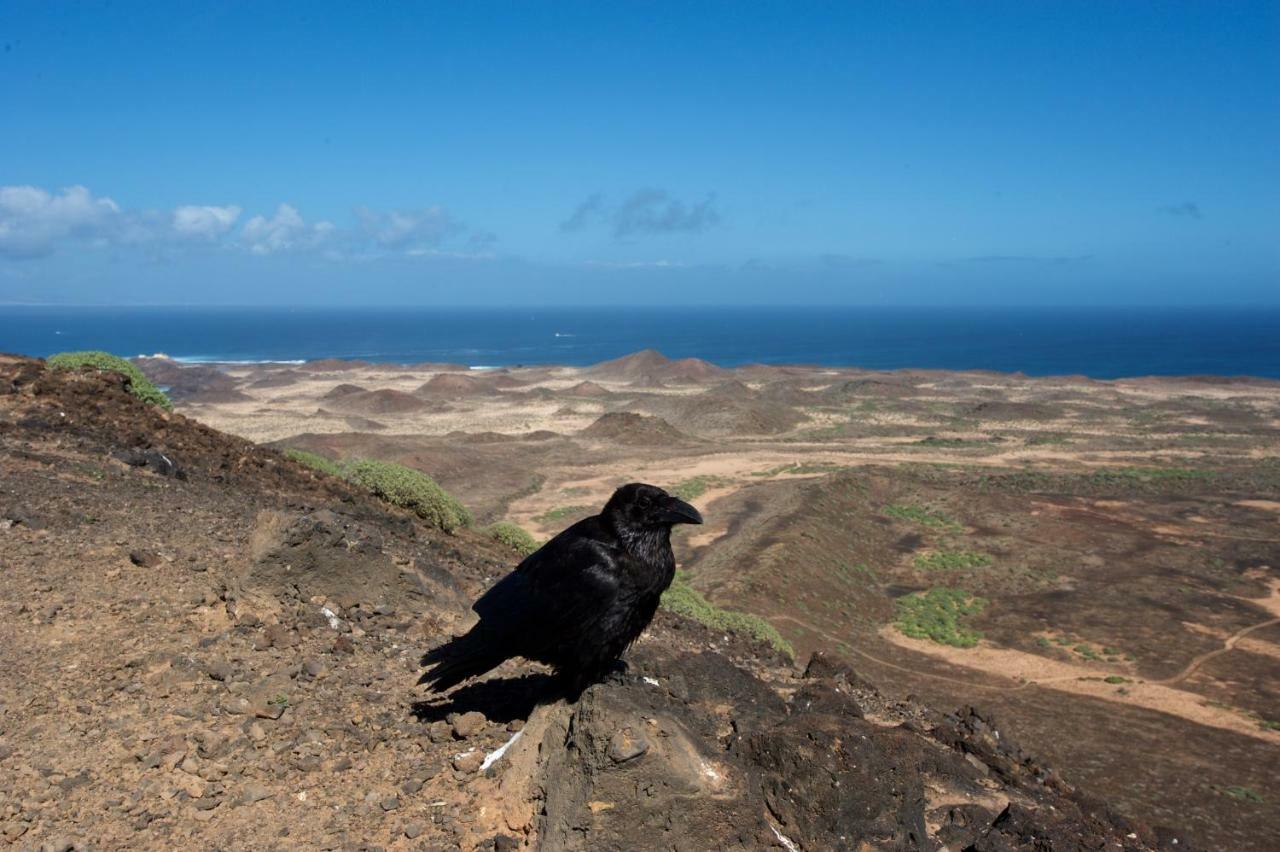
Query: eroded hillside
<point x="209" y="645"/>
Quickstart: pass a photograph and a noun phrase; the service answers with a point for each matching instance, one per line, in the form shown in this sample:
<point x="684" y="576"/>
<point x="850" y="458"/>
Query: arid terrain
<point x="1095" y="562"/>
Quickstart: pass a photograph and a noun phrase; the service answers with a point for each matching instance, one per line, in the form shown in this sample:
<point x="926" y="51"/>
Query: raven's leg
<point x="575" y="683"/>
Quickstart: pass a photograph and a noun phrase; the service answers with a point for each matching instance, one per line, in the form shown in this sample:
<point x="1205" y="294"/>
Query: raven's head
<point x="640" y="506"/>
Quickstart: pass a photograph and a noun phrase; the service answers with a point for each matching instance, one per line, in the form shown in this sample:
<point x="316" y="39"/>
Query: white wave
<point x="209" y="359"/>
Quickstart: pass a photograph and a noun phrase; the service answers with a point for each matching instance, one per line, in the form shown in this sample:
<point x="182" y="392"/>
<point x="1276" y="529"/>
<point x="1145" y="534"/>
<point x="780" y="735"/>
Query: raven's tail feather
<point x="456" y="661"/>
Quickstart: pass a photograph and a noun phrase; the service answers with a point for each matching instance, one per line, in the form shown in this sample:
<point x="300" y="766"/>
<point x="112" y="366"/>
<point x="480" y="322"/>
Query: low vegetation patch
<point x="513" y="536"/>
<point x="802" y="468"/>
<point x="315" y="461"/>
<point x="683" y="599"/>
<point x="559" y="513"/>
<point x="1149" y="474"/>
<point x="952" y="560"/>
<point x="921" y="515"/>
<point x="410" y="489"/>
<point x="695" y="487"/>
<point x="859" y="574"/>
<point x="138" y="384"/>
<point x="1240" y="794"/>
<point x="938" y="614"/>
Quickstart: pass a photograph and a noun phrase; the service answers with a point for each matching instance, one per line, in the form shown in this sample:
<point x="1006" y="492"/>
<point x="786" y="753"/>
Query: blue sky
<point x="474" y="153"/>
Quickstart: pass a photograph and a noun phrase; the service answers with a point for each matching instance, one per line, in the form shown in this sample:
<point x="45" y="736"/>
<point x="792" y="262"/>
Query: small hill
<point x="625" y="427"/>
<point x="454" y="386"/>
<point x="712" y="415"/>
<point x="334" y="365"/>
<point x="872" y="387"/>
<point x="1004" y="410"/>
<point x="278" y="379"/>
<point x="184" y="382"/>
<point x="650" y="367"/>
<point x="375" y="402"/>
<point x="586" y="389"/>
<point x="731" y="390"/>
<point x="339" y="391"/>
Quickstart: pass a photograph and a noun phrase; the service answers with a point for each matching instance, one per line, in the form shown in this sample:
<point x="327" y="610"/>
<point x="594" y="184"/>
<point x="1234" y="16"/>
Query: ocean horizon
<point x="1102" y="343"/>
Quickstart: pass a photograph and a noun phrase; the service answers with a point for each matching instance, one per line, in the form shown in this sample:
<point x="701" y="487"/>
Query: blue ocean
<point x="1101" y="343"/>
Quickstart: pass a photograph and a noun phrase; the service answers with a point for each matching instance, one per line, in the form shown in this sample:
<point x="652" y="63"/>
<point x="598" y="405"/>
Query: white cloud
<point x="412" y="230"/>
<point x="204" y="222"/>
<point x="33" y="220"/>
<point x="285" y="231"/>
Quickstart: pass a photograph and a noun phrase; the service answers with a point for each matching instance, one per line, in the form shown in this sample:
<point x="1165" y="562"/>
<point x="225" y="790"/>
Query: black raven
<point x="580" y="600"/>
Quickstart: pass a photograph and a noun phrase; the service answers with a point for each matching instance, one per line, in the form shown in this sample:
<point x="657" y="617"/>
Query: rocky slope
<point x="209" y="646"/>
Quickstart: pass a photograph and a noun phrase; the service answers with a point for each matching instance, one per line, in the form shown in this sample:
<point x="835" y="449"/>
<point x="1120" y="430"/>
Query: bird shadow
<point x="502" y="699"/>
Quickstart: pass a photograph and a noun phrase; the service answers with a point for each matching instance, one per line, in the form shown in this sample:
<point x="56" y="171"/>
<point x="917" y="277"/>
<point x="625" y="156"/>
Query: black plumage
<point x="580" y="600"/>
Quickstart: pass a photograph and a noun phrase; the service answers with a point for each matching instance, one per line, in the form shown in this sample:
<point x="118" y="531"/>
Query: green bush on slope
<point x="138" y="384"/>
<point x="315" y="461"/>
<point x="396" y="484"/>
<point x="410" y="489"/>
<point x="513" y="536"/>
<point x="937" y="613"/>
<point x="683" y="599"/>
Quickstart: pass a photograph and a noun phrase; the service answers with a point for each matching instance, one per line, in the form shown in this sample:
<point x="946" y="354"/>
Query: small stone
<point x="414" y="830"/>
<point x="146" y="558"/>
<point x="280" y="636"/>
<point x="390" y="803"/>
<point x="272" y="708"/>
<point x="6" y="751"/>
<point x="505" y="843"/>
<point x="468" y="762"/>
<point x="411" y="786"/>
<point x="219" y="670"/>
<point x="439" y="732"/>
<point x="315" y="669"/>
<point x="207" y="803"/>
<point x="235" y="705"/>
<point x="625" y="745"/>
<point x="343" y="645"/>
<point x="468" y="724"/>
<point x="252" y="792"/>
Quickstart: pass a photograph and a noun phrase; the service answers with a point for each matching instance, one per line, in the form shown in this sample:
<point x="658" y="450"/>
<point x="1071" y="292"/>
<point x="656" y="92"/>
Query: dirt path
<point x="1200" y="660"/>
<point x="1160" y="695"/>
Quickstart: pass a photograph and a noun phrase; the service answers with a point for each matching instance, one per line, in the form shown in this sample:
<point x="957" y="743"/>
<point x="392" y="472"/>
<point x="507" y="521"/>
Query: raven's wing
<point x="554" y="594"/>
<point x="549" y="600"/>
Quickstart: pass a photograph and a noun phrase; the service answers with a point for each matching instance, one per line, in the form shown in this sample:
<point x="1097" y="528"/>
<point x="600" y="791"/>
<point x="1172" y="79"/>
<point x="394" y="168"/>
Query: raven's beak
<point x="680" y="512"/>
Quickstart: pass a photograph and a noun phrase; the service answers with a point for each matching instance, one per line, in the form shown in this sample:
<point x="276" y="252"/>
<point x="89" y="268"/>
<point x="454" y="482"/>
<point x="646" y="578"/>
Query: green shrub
<point x="315" y="461"/>
<point x="410" y="489"/>
<point x="1115" y="679"/>
<point x="683" y="599"/>
<point x="695" y="487"/>
<point x="936" y="615"/>
<point x="138" y="384"/>
<point x="513" y="536"/>
<point x="952" y="560"/>
<point x="561" y="512"/>
<point x="1241" y="794"/>
<point x="920" y="515"/>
